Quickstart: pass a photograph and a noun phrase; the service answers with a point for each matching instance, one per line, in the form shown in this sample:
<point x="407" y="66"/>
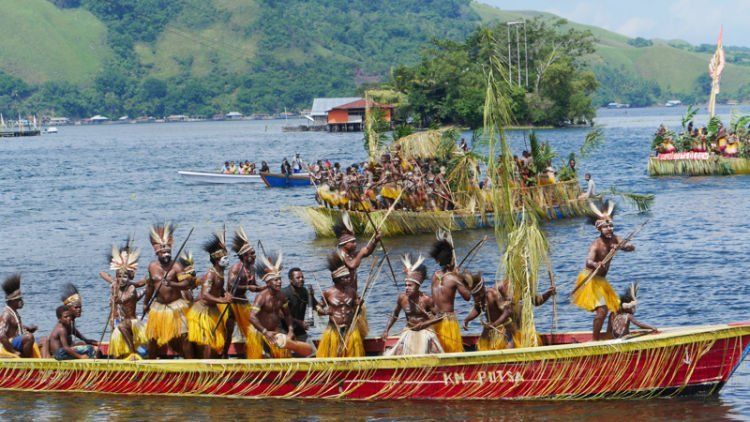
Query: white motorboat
<point x="202" y="177"/>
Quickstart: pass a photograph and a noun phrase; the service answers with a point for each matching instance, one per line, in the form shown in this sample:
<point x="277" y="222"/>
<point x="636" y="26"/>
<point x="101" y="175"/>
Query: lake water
<point x="67" y="197"/>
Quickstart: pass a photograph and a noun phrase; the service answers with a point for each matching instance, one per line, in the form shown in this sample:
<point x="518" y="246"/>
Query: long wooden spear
<point x="382" y="246"/>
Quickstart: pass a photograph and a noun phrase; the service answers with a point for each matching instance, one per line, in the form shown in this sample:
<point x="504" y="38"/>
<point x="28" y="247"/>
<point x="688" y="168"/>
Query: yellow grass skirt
<point x="256" y="344"/>
<point x="330" y="344"/>
<point x="119" y="347"/>
<point x="362" y="325"/>
<point x="493" y="339"/>
<point x="449" y="333"/>
<point x="202" y="326"/>
<point x="517" y="339"/>
<point x="597" y="292"/>
<point x="390" y="191"/>
<point x="241" y="314"/>
<point x="167" y="322"/>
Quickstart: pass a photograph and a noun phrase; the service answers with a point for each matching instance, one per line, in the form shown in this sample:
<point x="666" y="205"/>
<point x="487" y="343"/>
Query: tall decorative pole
<point x="715" y="67"/>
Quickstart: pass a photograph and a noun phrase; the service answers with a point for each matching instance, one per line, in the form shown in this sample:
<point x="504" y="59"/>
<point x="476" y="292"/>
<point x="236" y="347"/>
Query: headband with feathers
<point x="216" y="246"/>
<point x="162" y="236"/>
<point x="240" y="243"/>
<point x="70" y="294"/>
<point x="12" y="287"/>
<point x="442" y="249"/>
<point x="337" y="267"/>
<point x="344" y="229"/>
<point x="629" y="299"/>
<point x="269" y="268"/>
<point x="124" y="258"/>
<point x="475" y="281"/>
<point x="416" y="271"/>
<point x="602" y="217"/>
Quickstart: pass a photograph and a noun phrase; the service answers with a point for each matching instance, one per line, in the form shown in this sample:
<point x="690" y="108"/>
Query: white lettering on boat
<point x="482" y="377"/>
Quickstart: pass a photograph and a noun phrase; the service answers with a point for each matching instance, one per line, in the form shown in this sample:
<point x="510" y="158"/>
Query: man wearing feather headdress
<point x="352" y="258"/>
<point x="269" y="308"/>
<point x="16" y="339"/>
<point x="128" y="332"/>
<point x="72" y="299"/>
<point x="418" y="338"/>
<point x="490" y="304"/>
<point x="342" y="337"/>
<point x="241" y="280"/>
<point x="446" y="282"/>
<point x="593" y="292"/>
<point x="167" y="315"/>
<point x="204" y="328"/>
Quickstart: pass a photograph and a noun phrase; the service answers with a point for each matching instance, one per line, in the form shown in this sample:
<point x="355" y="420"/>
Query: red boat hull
<point x="690" y="362"/>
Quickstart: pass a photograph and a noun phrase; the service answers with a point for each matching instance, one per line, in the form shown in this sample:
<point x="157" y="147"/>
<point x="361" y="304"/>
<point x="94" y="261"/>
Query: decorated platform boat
<point x="696" y="164"/>
<point x="552" y="202"/>
<point x="676" y="361"/>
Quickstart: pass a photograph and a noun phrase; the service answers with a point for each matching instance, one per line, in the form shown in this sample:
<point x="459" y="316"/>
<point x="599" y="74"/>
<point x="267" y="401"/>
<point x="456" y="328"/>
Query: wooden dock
<point x="14" y="133"/>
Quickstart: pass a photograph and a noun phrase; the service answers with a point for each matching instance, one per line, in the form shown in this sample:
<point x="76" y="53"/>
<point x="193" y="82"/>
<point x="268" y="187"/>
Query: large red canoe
<point x="677" y="361"/>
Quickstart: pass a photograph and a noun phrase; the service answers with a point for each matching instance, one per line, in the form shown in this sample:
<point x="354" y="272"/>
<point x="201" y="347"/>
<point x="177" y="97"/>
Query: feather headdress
<point x="188" y="265"/>
<point x="70" y="294"/>
<point x="474" y="281"/>
<point x="603" y="217"/>
<point x="162" y="236"/>
<point x="124" y="258"/>
<point x="269" y="268"/>
<point x="12" y="287"/>
<point x="337" y="267"/>
<point x="628" y="299"/>
<point x="416" y="271"/>
<point x="216" y="246"/>
<point x="240" y="243"/>
<point x="344" y="229"/>
<point x="442" y="249"/>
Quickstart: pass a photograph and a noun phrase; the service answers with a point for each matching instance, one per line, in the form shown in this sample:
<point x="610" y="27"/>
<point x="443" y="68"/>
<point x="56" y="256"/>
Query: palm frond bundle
<point x="715" y="166"/>
<point x="438" y="143"/>
<point x="641" y="201"/>
<point x="594" y="139"/>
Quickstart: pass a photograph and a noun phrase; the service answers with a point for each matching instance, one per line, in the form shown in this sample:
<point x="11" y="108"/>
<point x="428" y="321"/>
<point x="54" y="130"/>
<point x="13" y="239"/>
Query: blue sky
<point x="695" y="21"/>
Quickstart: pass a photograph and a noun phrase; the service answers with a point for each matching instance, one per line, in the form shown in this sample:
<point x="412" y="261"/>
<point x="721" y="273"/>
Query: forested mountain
<point x="201" y="57"/>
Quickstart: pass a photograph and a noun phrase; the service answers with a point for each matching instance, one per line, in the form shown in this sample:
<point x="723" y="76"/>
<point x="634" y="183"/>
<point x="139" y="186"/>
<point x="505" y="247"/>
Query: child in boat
<point x="61" y="338"/>
<point x="619" y="322"/>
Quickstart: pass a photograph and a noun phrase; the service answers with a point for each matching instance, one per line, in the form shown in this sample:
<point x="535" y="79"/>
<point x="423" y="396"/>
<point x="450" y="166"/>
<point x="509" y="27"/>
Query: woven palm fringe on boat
<point x="548" y="202"/>
<point x="611" y="370"/>
<point x="714" y="166"/>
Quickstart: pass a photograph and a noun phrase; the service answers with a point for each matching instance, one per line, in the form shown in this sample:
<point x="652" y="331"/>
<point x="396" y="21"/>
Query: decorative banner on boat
<point x="683" y="156"/>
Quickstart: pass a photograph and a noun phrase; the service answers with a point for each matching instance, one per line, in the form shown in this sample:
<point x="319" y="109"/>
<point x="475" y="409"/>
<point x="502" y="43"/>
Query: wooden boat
<point x="552" y="202"/>
<point x="676" y="361"/>
<point x="696" y="164"/>
<point x="278" y="180"/>
<point x="203" y="177"/>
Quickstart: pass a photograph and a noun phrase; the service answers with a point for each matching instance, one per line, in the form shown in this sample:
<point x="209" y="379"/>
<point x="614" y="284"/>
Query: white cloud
<point x="636" y="27"/>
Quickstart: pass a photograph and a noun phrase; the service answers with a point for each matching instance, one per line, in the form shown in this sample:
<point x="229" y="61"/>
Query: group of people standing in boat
<point x="721" y="142"/>
<point x="203" y="316"/>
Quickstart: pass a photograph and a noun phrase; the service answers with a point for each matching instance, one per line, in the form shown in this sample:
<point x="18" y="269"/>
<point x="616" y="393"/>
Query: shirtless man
<point x="167" y="315"/>
<point x="72" y="299"/>
<point x="445" y="284"/>
<point x="494" y="312"/>
<point x="61" y="338"/>
<point x="204" y="328"/>
<point x="269" y="309"/>
<point x="342" y="336"/>
<point x="417" y="338"/>
<point x="16" y="339"/>
<point x="596" y="295"/>
<point x="516" y="312"/>
<point x="243" y="274"/>
<point x="128" y="331"/>
<point x="352" y="259"/>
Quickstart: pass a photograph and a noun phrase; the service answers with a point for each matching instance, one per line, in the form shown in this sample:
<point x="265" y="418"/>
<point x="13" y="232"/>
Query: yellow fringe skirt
<point x="449" y="333"/>
<point x="492" y="339"/>
<point x="202" y="326"/>
<point x="390" y="191"/>
<point x="258" y="347"/>
<point x="167" y="322"/>
<point x="518" y="339"/>
<point x="330" y="343"/>
<point x="241" y="313"/>
<point x="362" y="325"/>
<point x="119" y="347"/>
<point x="597" y="292"/>
<point x="35" y="353"/>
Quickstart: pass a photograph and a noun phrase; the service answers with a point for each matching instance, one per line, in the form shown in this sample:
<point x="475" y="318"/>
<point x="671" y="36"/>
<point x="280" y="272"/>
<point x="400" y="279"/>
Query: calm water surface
<point x="66" y="197"/>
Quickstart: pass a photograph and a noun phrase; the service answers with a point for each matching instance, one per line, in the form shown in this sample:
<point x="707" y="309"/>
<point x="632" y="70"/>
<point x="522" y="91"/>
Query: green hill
<point x="39" y="42"/>
<point x="208" y="56"/>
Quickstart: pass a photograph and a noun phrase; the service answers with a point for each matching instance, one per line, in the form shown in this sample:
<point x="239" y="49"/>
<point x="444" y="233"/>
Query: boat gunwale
<point x="669" y="337"/>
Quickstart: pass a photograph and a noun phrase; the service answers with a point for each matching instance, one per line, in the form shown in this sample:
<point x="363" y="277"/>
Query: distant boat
<point x="50" y="130"/>
<point x="278" y="180"/>
<point x="672" y="103"/>
<point x="618" y="105"/>
<point x="220" y="178"/>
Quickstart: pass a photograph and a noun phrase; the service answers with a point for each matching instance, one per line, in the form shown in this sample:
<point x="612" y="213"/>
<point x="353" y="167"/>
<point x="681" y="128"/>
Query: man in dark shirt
<point x="299" y="297"/>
